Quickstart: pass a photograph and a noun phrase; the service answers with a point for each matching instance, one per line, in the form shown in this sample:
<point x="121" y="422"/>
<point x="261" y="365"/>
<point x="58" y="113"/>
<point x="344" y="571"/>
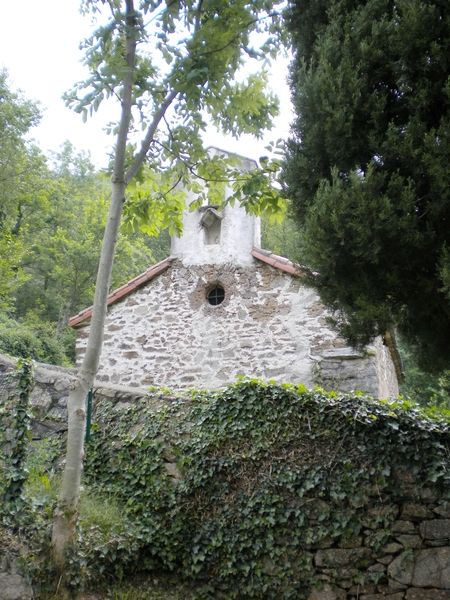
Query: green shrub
<point x="41" y="488"/>
<point x="37" y="340"/>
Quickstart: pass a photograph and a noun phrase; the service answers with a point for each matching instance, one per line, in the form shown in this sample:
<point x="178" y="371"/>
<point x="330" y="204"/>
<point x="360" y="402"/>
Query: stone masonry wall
<point x="50" y="394"/>
<point x="403" y="548"/>
<point x="269" y="326"/>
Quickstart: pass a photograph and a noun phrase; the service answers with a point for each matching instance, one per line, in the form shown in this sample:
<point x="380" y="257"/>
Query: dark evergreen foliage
<point x="368" y="166"/>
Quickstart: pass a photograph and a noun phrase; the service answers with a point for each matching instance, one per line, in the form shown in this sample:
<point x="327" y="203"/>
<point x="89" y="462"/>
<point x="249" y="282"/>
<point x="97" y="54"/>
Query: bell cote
<point x="217" y="235"/>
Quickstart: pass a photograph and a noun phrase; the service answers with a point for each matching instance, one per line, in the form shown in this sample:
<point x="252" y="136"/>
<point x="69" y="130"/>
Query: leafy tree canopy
<point x="367" y="166"/>
<point x="187" y="72"/>
<point x="52" y="217"/>
<point x="20" y="162"/>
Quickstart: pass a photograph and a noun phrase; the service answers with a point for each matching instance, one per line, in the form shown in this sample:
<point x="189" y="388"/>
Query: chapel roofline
<point x="125" y="290"/>
<point x="278" y="262"/>
<point x="265" y="256"/>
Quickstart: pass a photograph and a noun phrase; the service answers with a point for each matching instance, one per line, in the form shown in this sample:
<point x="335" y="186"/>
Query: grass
<point x="101" y="512"/>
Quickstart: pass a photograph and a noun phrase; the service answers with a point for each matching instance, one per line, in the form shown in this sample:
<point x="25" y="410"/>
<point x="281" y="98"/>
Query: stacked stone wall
<point x="269" y="326"/>
<point x="412" y="563"/>
<point x="50" y="394"/>
<point x="403" y="548"/>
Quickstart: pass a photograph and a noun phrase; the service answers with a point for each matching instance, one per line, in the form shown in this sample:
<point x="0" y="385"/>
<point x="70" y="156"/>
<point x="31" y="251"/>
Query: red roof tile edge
<point x="278" y="262"/>
<point x="125" y="289"/>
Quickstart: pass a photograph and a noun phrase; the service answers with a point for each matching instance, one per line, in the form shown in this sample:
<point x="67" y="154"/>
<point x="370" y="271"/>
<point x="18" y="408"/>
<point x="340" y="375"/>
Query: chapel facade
<point x="220" y="307"/>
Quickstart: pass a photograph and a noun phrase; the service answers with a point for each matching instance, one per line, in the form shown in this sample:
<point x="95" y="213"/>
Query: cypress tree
<point x="367" y="167"/>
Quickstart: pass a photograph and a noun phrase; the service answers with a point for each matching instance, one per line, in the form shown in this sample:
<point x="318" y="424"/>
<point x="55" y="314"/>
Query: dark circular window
<point x="216" y="295"/>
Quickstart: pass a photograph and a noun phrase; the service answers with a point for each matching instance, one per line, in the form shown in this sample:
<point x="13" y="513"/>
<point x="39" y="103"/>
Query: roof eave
<point x="123" y="291"/>
<point x="278" y="262"/>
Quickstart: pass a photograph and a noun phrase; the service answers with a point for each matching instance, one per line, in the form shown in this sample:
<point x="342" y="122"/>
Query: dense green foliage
<point x="186" y="70"/>
<point x="36" y="339"/>
<point x="15" y="419"/>
<point x="258" y="476"/>
<point x="52" y="218"/>
<point x="422" y="387"/>
<point x="283" y="238"/>
<point x="367" y="168"/>
<point x="20" y="164"/>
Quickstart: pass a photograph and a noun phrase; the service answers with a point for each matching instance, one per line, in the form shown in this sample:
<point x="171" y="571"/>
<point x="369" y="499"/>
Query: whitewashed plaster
<point x="240" y="232"/>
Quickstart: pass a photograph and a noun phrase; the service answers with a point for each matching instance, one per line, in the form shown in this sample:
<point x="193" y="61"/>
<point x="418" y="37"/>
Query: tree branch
<point x="127" y="95"/>
<point x="140" y="156"/>
<point x="234" y="38"/>
<point x="197" y="16"/>
<point x="192" y="167"/>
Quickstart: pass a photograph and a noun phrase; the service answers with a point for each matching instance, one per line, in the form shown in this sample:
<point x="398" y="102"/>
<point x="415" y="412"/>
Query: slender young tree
<point x="169" y="63"/>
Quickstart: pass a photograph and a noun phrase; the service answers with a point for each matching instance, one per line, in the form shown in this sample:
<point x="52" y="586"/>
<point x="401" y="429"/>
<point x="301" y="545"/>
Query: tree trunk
<point x="66" y="512"/>
<point x="65" y="517"/>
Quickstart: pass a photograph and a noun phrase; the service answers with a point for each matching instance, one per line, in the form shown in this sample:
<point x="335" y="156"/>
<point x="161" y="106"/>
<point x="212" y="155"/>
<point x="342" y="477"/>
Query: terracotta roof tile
<point x="278" y="262"/>
<point x="125" y="289"/>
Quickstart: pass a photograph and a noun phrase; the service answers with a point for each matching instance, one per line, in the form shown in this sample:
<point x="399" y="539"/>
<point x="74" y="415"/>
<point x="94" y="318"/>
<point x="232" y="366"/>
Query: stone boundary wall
<point x="412" y="563"/>
<point x="52" y="385"/>
<point x="13" y="585"/>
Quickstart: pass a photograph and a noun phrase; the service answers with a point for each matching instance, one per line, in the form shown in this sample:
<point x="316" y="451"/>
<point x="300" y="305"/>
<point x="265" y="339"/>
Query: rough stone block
<point x="14" y="587"/>
<point x="64" y="383"/>
<point x="435" y="529"/>
<point x="328" y="592"/>
<point x="392" y="548"/>
<point x="392" y="586"/>
<point x="403" y="527"/>
<point x="338" y="557"/>
<point x="396" y="596"/>
<point x="353" y="542"/>
<point x="428" y="495"/>
<point x="41" y="399"/>
<point x="43" y="429"/>
<point x="57" y="413"/>
<point x="430" y="594"/>
<point x="410" y="541"/>
<point x="443" y="510"/>
<point x="357" y="590"/>
<point x="413" y="511"/>
<point x="423" y="568"/>
<point x="385" y="560"/>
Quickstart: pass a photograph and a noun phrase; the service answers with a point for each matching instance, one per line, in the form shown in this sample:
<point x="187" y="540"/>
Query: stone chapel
<point x="220" y="306"/>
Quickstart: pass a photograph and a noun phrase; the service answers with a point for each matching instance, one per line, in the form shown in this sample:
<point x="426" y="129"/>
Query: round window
<point x="216" y="295"/>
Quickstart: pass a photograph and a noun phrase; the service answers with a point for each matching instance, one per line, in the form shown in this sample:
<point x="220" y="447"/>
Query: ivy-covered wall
<point x="278" y="492"/>
<point x="273" y="491"/>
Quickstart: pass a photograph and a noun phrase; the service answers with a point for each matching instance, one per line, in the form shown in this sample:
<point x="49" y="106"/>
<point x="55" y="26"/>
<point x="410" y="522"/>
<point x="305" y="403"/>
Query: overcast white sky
<point x="39" y="47"/>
